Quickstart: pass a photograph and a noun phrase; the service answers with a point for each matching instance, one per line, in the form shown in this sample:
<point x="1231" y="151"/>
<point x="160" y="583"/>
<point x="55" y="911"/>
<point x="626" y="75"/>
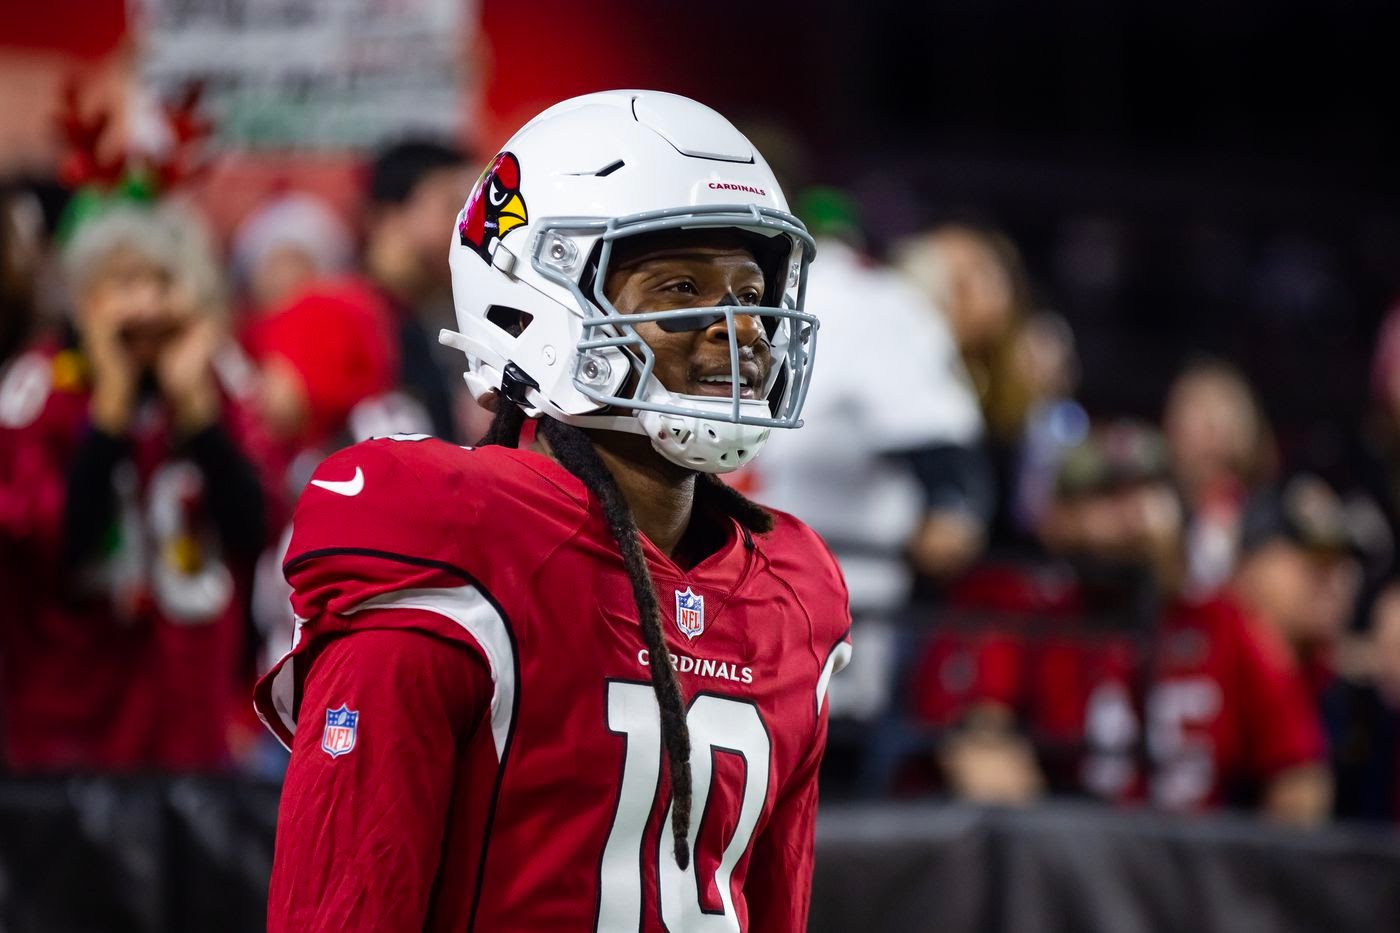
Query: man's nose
<point x="746" y="326"/>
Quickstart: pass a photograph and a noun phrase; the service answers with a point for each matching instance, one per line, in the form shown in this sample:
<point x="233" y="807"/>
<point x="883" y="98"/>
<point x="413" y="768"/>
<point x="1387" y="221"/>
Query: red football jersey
<point x="518" y="781"/>
<point x="1228" y="707"/>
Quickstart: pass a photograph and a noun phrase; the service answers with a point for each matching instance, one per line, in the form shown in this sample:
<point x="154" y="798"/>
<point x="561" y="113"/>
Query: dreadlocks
<point x="504" y="430"/>
<point x="575" y="452"/>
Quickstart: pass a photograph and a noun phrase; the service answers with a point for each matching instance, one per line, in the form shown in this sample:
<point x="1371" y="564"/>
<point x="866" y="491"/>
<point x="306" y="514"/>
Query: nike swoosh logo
<point x="347" y="487"/>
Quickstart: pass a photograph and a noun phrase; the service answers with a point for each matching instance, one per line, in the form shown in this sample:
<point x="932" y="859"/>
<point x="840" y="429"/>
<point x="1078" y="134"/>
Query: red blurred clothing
<point x="130" y="658"/>
<point x="982" y="652"/>
<point x="1016" y="637"/>
<point x="1217" y="708"/>
<point x="339" y="335"/>
<point x="1228" y="707"/>
<point x="501" y="767"/>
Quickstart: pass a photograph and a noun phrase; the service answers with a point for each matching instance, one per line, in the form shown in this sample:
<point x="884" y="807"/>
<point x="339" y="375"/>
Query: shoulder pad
<point x="402" y="497"/>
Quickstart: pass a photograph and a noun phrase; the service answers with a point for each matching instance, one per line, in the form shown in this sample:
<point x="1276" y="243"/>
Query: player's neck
<point x="660" y="494"/>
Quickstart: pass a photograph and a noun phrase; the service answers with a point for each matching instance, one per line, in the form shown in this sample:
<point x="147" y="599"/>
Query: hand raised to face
<point x="136" y="318"/>
<point x="121" y="316"/>
<point x="184" y="369"/>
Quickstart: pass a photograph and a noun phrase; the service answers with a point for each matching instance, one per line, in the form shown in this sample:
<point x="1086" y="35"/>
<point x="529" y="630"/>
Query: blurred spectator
<point x="129" y="513"/>
<point x="285" y="244"/>
<point x="892" y="424"/>
<point x="322" y="353"/>
<point x="1222" y="451"/>
<point x="1232" y="706"/>
<point x="416" y="189"/>
<point x="1045" y="356"/>
<point x="21" y="248"/>
<point x="1365" y="713"/>
<point x="326" y="361"/>
<point x="975" y="277"/>
<point x="1380" y="436"/>
<point x="901" y="447"/>
<point x="1022" y="368"/>
<point x="1051" y="651"/>
<point x="1126" y="688"/>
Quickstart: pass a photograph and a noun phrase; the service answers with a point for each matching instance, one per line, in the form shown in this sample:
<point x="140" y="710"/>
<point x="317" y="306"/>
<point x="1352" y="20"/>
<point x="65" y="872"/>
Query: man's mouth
<point x="722" y="385"/>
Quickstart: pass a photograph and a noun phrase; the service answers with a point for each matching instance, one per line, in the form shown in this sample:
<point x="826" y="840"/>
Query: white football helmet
<point x="531" y="251"/>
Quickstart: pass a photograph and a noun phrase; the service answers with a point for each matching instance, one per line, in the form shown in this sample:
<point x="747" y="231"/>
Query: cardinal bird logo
<point x="494" y="207"/>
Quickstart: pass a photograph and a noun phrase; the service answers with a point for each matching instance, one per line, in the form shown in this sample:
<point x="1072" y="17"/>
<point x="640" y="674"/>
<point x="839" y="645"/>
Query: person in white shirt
<point x="888" y="467"/>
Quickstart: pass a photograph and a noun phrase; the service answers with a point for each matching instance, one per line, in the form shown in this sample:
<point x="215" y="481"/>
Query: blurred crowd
<point x="163" y="399"/>
<point x="1148" y="613"/>
<point x="1047" y="600"/>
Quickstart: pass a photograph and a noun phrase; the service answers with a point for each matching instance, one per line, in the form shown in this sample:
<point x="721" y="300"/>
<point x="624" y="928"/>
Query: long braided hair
<point x="575" y="452"/>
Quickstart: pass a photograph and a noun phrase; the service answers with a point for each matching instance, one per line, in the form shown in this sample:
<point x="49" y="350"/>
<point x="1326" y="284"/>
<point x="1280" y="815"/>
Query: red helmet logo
<point x="494" y="207"/>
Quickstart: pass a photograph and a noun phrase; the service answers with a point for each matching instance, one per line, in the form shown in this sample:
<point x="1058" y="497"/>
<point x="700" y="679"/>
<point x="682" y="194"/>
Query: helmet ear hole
<point x="511" y="320"/>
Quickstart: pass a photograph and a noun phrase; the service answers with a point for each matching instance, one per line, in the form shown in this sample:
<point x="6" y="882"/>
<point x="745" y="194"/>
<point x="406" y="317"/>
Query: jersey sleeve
<point x="379" y="541"/>
<point x="368" y="789"/>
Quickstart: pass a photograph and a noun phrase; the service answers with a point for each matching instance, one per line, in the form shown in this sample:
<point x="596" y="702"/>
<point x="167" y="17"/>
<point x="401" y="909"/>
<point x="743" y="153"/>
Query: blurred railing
<point x="193" y="854"/>
<point x="1066" y="868"/>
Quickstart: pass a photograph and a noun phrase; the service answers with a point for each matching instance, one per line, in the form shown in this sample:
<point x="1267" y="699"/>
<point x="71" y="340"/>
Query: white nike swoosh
<point x="348" y="487"/>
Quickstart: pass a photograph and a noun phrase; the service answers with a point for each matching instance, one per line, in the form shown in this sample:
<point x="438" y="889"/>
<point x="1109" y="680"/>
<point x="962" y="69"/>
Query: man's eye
<point x="750" y="297"/>
<point x="685" y="288"/>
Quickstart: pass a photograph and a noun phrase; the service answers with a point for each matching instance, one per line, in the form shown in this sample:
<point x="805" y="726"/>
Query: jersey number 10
<point x="717" y="724"/>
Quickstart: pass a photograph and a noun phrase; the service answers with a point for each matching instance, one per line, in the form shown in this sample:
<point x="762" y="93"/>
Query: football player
<point x="568" y="679"/>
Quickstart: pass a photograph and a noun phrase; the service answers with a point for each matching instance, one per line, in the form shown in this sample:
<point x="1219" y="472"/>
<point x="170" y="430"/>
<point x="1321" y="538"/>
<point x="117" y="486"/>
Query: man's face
<point x="670" y="272"/>
<point x="1308" y="594"/>
<point x="1210" y="424"/>
<point x="1135" y="524"/>
<point x="978" y="292"/>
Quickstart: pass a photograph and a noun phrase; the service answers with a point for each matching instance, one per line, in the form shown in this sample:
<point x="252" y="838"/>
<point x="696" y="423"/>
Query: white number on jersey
<point x="716" y="723"/>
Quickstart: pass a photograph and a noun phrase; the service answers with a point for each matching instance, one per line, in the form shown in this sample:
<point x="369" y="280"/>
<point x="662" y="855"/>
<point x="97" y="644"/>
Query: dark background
<point x="1182" y="178"/>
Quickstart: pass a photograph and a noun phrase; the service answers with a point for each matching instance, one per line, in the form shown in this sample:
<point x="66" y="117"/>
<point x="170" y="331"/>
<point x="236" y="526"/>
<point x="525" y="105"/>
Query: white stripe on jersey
<point x="284" y="686"/>
<point x="840" y="656"/>
<point x="472" y="611"/>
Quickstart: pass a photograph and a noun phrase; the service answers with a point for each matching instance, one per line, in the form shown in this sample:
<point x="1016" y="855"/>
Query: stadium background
<point x="1179" y="178"/>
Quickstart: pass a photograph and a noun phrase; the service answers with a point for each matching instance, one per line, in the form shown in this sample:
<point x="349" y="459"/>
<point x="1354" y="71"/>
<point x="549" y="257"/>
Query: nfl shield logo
<point x="342" y="725"/>
<point x="690" y="613"/>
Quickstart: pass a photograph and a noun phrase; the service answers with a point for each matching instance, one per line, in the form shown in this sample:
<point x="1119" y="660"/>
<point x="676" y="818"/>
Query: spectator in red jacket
<point x="1232" y="714"/>
<point x="1051" y="652"/>
<point x="129" y="514"/>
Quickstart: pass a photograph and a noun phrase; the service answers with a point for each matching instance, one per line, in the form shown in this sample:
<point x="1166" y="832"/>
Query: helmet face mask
<point x="583" y="360"/>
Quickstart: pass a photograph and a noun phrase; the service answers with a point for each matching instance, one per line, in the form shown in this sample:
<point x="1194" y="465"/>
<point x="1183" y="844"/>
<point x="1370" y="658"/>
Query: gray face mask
<point x="790" y="330"/>
<point x="699" y="322"/>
